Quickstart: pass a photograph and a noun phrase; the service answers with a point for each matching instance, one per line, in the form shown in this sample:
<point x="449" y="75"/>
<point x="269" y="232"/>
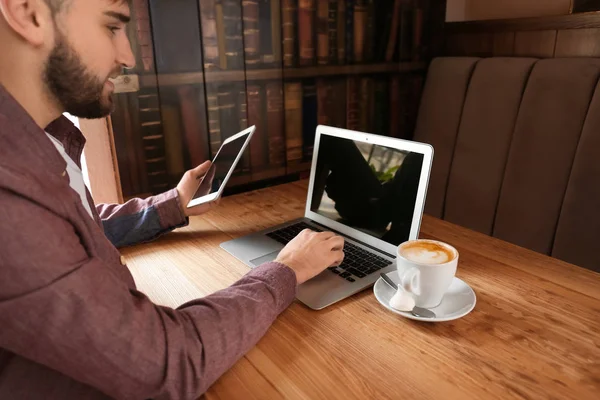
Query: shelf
<point x="332" y="70"/>
<point x="299" y="167"/>
<point x="255" y="176"/>
<point x="265" y="174"/>
<point x="268" y="173"/>
<point x="187" y="78"/>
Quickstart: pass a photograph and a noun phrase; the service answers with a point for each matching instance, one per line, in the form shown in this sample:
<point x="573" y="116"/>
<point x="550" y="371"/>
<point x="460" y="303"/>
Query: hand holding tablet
<point x="213" y="183"/>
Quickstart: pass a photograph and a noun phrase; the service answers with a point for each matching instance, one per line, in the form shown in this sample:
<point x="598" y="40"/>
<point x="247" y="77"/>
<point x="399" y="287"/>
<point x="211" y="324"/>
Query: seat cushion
<point x="439" y="116"/>
<point x="578" y="233"/>
<point x="484" y="137"/>
<point x="547" y="132"/>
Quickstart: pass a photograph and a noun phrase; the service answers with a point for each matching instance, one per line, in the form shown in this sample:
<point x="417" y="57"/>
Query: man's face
<point x="91" y="46"/>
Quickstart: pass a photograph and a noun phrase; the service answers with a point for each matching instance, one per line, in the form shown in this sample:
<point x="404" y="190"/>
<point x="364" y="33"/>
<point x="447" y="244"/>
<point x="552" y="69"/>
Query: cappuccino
<point x="426" y="252"/>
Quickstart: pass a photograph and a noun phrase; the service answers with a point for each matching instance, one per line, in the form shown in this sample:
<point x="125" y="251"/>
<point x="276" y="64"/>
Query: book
<point x="360" y="28"/>
<point x="139" y="142"/>
<point x="144" y="120"/>
<point x="395" y="106"/>
<point x="350" y="31"/>
<point x="341" y="32"/>
<point x="275" y="123"/>
<point x="381" y="102"/>
<point x="193" y="117"/>
<point x="244" y="164"/>
<point x="142" y="44"/>
<point x="393" y="32"/>
<point x="332" y="23"/>
<point x="172" y="129"/>
<point x="251" y="33"/>
<point x="365" y="105"/>
<point x="127" y="162"/>
<point x="258" y="145"/>
<point x="352" y="102"/>
<point x="148" y="99"/>
<point x="289" y="13"/>
<point x="369" y="46"/>
<point x="417" y="33"/>
<point x="275" y="31"/>
<point x="325" y="105"/>
<point x="309" y="118"/>
<point x="338" y="95"/>
<point x="265" y="31"/>
<point x="228" y="112"/>
<point x="405" y="33"/>
<point x="220" y="23"/>
<point x="306" y="30"/>
<point x="172" y="21"/>
<point x="214" y="122"/>
<point x="322" y="32"/>
<point x="234" y="41"/>
<point x="243" y="109"/>
<point x="268" y="41"/>
<point x="208" y="17"/>
<point x="293" y="121"/>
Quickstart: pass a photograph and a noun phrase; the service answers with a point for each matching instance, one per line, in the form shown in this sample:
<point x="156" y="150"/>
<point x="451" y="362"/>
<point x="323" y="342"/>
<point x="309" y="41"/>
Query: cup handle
<point x="410" y="281"/>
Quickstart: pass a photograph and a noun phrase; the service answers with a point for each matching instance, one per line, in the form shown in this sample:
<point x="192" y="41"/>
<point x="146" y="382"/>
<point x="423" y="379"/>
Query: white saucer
<point x="457" y="302"/>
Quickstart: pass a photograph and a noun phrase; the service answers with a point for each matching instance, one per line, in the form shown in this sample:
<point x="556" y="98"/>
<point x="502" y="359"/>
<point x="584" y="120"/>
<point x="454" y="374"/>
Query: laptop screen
<point x="368" y="187"/>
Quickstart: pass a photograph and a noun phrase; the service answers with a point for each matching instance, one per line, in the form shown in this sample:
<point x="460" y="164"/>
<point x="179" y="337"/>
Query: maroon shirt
<point x="72" y="324"/>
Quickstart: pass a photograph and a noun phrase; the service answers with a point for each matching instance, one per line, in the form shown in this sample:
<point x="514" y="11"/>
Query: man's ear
<point x="29" y="19"/>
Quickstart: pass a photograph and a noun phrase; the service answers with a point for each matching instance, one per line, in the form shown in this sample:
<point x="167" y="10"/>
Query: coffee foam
<point x="425" y="252"/>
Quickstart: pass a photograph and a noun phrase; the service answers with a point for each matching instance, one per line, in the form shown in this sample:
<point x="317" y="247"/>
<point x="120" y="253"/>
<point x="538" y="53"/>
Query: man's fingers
<point x="325" y="235"/>
<point x="201" y="170"/>
<point x="335" y="242"/>
<point x="338" y="258"/>
<point x="305" y="232"/>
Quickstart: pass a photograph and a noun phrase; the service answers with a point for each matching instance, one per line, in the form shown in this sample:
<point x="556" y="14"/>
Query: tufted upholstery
<point x="517" y="151"/>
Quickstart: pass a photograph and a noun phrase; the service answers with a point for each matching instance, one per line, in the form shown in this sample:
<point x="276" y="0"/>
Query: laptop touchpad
<point x="268" y="258"/>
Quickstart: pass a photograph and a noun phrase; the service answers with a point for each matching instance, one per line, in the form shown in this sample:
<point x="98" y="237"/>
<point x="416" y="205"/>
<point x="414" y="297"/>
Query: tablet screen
<point x="221" y="165"/>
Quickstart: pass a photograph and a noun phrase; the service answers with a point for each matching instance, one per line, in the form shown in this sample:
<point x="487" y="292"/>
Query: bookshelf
<point x="209" y="68"/>
<point x="582" y="6"/>
<point x="189" y="78"/>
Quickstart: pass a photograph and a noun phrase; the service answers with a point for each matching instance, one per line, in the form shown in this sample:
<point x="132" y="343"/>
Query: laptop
<point x="369" y="189"/>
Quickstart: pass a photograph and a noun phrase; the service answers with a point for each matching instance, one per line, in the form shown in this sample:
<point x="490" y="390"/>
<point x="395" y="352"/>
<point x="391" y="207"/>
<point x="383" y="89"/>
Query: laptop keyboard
<point x="357" y="263"/>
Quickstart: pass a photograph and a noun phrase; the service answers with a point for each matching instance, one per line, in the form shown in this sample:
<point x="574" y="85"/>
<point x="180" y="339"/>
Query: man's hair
<point x="56" y="5"/>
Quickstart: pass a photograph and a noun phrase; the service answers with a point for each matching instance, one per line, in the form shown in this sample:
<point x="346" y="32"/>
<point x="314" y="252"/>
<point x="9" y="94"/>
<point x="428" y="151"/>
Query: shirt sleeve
<point x="141" y="220"/>
<point x="63" y="307"/>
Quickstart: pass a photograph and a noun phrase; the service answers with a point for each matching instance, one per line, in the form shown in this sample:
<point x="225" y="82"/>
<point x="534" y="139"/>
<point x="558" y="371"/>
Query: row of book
<point x="338" y="32"/>
<point x="186" y="125"/>
<point x="192" y="35"/>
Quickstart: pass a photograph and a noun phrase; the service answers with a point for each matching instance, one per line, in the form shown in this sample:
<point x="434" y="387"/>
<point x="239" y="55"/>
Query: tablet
<point x="212" y="184"/>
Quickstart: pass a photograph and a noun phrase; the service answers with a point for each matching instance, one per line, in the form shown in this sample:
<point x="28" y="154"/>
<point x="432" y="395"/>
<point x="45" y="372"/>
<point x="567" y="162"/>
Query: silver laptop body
<point x="368" y="189"/>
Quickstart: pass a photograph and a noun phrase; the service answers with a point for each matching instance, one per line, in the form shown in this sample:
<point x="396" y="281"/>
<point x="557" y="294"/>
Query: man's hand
<point x="310" y="252"/>
<point x="189" y="184"/>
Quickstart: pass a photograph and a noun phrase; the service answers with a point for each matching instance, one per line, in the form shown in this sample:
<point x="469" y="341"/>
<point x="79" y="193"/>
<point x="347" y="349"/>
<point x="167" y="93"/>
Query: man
<point x="73" y="326"/>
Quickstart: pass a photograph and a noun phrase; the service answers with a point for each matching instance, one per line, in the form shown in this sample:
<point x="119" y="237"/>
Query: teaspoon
<point x="416" y="311"/>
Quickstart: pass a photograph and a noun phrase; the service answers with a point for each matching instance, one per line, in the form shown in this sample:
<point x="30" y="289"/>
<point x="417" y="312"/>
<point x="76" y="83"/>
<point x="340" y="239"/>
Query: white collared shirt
<point x="75" y="175"/>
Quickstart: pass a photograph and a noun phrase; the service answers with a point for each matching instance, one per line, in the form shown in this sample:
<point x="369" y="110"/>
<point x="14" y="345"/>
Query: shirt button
<point x="122" y="260"/>
<point x="64" y="173"/>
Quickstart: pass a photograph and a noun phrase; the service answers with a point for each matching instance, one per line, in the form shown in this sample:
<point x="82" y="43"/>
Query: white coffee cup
<point x="426" y="269"/>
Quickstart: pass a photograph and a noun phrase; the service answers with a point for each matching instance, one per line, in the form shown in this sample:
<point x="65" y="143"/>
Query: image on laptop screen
<point x="368" y="187"/>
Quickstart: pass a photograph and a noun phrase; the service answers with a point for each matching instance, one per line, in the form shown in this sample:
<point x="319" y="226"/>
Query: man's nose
<point x="125" y="55"/>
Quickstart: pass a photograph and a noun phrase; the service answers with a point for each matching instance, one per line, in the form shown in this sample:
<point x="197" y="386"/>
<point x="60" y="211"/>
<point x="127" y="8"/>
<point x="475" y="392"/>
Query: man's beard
<point x="77" y="90"/>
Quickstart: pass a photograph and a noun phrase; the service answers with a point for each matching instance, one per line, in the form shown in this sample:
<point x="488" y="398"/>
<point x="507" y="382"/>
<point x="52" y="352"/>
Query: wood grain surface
<point x="533" y="334"/>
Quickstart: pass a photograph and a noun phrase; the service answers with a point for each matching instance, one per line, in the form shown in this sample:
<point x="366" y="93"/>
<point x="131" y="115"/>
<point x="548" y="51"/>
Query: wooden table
<point x="533" y="334"/>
